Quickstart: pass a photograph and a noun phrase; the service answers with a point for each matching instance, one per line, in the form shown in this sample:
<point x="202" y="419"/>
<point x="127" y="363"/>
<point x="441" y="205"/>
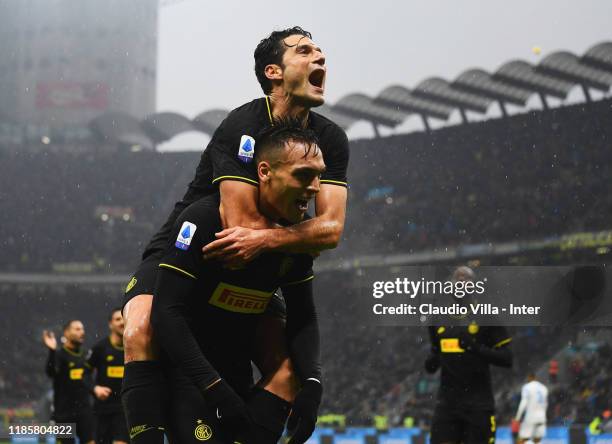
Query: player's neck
<point x="116" y="340"/>
<point x="266" y="208"/>
<point x="283" y="106"/>
<point x="72" y="346"/>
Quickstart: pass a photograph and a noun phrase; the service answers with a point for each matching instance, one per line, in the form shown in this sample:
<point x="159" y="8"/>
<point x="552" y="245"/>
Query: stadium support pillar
<point x="587" y="93"/>
<point x="425" y="122"/>
<point x="463" y="115"/>
<point x="376" y="131"/>
<point x="502" y="106"/>
<point x="543" y="99"/>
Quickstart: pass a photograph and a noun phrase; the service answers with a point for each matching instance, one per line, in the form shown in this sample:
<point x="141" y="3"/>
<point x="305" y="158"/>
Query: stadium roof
<point x="474" y="90"/>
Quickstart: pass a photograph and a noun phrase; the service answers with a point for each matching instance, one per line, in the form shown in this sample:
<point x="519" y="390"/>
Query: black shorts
<point x="143" y="282"/>
<point x="111" y="427"/>
<point x="460" y="424"/>
<point x="84" y="421"/>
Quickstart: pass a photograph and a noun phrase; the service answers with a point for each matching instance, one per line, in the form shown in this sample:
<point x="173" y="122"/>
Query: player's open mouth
<point x="317" y="78"/>
<point x="302" y="204"/>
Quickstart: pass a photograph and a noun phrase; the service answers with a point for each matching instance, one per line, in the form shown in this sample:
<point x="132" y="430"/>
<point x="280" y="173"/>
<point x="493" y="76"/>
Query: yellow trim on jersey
<point x="245" y="179"/>
<point x="114" y="346"/>
<point x="334" y="182"/>
<point x="504" y="342"/>
<point x="269" y="110"/>
<point x="73" y="353"/>
<point x="172" y="267"/>
<point x="309" y="278"/>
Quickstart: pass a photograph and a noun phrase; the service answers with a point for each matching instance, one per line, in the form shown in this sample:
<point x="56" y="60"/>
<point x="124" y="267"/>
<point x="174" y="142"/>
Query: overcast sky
<point x="206" y="47"/>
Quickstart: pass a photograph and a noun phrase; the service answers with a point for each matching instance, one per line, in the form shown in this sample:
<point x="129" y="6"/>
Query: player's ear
<point x="264" y="171"/>
<point x="273" y="72"/>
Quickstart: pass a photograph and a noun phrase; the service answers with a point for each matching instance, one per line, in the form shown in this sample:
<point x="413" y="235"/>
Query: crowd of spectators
<point x="527" y="176"/>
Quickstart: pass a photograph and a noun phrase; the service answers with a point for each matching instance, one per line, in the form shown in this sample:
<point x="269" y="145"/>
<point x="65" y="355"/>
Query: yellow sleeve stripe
<point x="309" y="278"/>
<point x="334" y="182"/>
<point x="504" y="342"/>
<point x="172" y="267"/>
<point x="240" y="178"/>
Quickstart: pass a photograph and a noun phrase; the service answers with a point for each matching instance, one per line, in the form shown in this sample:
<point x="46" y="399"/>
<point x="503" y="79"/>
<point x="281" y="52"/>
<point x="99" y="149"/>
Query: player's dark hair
<point x="68" y="324"/>
<point x="112" y="312"/>
<point x="270" y="52"/>
<point x="273" y="139"/>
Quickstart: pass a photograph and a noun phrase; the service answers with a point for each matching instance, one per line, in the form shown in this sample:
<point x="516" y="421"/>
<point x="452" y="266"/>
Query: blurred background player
<point x="465" y="409"/>
<point x="534" y="402"/>
<point x="72" y="387"/>
<point x="291" y="70"/>
<point x="106" y="359"/>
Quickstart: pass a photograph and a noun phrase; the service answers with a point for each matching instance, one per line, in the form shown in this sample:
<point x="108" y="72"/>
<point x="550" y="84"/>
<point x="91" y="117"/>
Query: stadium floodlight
<point x="342" y="120"/>
<point x="437" y="89"/>
<point x="599" y="56"/>
<point x="120" y="128"/>
<point x="398" y="97"/>
<point x="360" y="106"/>
<point x="522" y="74"/>
<point x="209" y="121"/>
<point x="566" y="66"/>
<point x="480" y="82"/>
<point x="161" y="127"/>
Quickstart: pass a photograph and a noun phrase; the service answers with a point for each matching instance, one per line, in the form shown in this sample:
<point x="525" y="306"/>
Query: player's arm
<point x="496" y="350"/>
<point x="249" y="234"/>
<point x="432" y="362"/>
<point x="94" y="361"/>
<point x="176" y="280"/>
<point x="51" y="365"/>
<point x="523" y="404"/>
<point x="303" y="336"/>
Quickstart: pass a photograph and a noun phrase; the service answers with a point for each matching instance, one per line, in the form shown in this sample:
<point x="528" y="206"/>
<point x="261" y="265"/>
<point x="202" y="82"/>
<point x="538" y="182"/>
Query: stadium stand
<point x="523" y="177"/>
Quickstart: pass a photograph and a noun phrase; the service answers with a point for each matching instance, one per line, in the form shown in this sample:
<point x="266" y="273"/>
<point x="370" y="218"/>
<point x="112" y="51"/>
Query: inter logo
<point x="185" y="235"/>
<point x="246" y="150"/>
<point x="202" y="431"/>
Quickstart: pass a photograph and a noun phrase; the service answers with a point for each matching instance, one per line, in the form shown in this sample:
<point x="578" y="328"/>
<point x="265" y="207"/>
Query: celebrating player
<point x="534" y="402"/>
<point x="291" y="70"/>
<point x="465" y="410"/>
<point x="106" y="360"/>
<point x="208" y="313"/>
<point x="72" y="386"/>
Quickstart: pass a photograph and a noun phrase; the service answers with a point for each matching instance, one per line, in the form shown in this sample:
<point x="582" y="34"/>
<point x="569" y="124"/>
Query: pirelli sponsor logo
<point x="114" y="371"/>
<point x="450" y="345"/>
<point x="239" y="299"/>
<point x="76" y="373"/>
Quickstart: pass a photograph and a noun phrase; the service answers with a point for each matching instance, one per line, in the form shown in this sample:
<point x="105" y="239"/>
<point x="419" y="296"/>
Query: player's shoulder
<point x="325" y="127"/>
<point x="101" y="344"/>
<point x="204" y="209"/>
<point x="250" y="112"/>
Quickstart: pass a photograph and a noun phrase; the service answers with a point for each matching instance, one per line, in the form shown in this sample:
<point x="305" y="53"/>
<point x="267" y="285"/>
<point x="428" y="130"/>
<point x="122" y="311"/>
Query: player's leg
<point x="539" y="431"/>
<point x="480" y="426"/>
<point x="270" y="401"/>
<point x="190" y="419"/>
<point x="446" y="426"/>
<point x="525" y="431"/>
<point x="85" y="425"/>
<point x="142" y="391"/>
<point x="102" y="428"/>
<point x="118" y="429"/>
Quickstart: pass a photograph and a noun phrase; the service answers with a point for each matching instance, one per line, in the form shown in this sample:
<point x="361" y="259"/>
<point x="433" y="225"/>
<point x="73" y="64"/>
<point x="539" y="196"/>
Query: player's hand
<point x="236" y="246"/>
<point x="49" y="339"/>
<point x="231" y="410"/>
<point x="303" y="416"/>
<point x="102" y="393"/>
